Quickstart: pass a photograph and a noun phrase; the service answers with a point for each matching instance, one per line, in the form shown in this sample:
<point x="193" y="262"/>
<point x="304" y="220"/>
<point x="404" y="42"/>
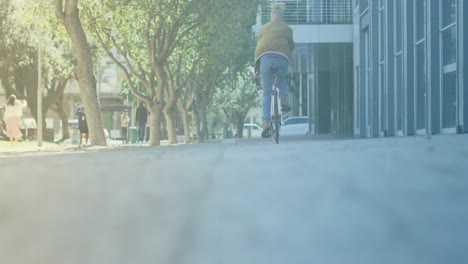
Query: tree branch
<point x="59" y="10"/>
<point x="120" y="65"/>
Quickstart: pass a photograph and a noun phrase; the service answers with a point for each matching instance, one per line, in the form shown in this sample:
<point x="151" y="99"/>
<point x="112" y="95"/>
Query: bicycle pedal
<point x="266" y="133"/>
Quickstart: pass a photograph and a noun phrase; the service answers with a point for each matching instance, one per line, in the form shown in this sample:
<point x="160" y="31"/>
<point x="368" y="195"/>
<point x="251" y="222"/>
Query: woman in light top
<point x="12" y="117"/>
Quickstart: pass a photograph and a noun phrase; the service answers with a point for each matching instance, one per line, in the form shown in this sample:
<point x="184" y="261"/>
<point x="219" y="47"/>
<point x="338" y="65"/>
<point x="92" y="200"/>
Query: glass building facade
<point x="298" y="12"/>
<point x="409" y="67"/>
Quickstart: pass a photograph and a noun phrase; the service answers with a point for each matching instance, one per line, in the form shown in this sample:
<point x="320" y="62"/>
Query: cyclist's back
<point x="274" y="51"/>
<point x="275" y="37"/>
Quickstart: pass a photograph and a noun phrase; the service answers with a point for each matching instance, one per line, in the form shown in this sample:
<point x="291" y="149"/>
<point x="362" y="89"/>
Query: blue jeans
<point x="266" y="75"/>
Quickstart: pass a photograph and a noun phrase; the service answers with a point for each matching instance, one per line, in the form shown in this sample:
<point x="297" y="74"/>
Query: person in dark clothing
<point x="141" y="118"/>
<point x="82" y="124"/>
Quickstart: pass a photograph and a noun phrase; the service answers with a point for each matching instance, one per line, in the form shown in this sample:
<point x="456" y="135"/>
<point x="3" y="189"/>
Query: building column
<point x="356" y="71"/>
<point x="463" y="69"/>
<point x="363" y="89"/>
<point x="433" y="66"/>
<point x="374" y="80"/>
<point x="409" y="73"/>
<point x="390" y="70"/>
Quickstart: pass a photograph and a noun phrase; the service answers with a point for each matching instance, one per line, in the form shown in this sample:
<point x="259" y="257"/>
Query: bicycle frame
<point x="275" y="115"/>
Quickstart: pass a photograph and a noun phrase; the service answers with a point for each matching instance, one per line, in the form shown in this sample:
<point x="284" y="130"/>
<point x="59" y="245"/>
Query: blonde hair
<point x="277" y="6"/>
<point x="277" y="9"/>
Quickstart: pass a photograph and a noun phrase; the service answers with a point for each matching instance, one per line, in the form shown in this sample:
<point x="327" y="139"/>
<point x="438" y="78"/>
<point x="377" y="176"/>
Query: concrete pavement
<point x="31" y="148"/>
<point x="392" y="200"/>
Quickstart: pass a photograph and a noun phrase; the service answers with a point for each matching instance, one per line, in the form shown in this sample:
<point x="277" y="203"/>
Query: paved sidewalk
<point x="31" y="147"/>
<point x="316" y="200"/>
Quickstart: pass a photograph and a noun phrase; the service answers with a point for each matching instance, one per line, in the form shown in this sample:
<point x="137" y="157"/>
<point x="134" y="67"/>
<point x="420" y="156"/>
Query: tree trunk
<point x="168" y="111"/>
<point x="32" y="104"/>
<point x="197" y="124"/>
<point x="170" y="127"/>
<point x="204" y="125"/>
<point x="240" y="128"/>
<point x="204" y="121"/>
<point x="186" y="124"/>
<point x="84" y="74"/>
<point x="155" y="125"/>
<point x="63" y="116"/>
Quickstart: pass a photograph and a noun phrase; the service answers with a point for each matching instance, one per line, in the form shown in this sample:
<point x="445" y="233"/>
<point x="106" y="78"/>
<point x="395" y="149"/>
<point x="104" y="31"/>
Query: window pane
<point x="449" y="99"/>
<point x="382" y="36"/>
<point x="449" y="12"/>
<point x="399" y="25"/>
<point x="420" y="18"/>
<point x="383" y="97"/>
<point x="358" y="97"/>
<point x="367" y="49"/>
<point x="399" y="92"/>
<point x="364" y="4"/>
<point x="421" y="86"/>
<point x="449" y="44"/>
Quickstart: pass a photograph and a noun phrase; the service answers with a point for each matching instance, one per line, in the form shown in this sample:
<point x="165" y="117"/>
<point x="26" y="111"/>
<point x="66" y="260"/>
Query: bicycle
<point x="275" y="111"/>
<point x="275" y="118"/>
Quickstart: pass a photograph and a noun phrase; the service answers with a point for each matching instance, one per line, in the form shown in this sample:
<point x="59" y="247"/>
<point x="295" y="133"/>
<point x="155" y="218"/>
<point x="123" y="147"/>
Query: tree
<point x="19" y="66"/>
<point x="238" y="96"/>
<point x="146" y="43"/>
<point x="231" y="50"/>
<point x="14" y="44"/>
<point x="211" y="76"/>
<point x="158" y="43"/>
<point x="67" y="13"/>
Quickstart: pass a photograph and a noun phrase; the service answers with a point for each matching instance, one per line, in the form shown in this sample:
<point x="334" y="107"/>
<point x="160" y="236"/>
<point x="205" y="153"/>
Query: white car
<point x="256" y="130"/>
<point x="295" y="126"/>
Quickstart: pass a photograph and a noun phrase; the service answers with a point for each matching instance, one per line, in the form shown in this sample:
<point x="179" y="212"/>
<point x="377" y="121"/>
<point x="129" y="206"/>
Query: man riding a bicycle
<point x="274" y="51"/>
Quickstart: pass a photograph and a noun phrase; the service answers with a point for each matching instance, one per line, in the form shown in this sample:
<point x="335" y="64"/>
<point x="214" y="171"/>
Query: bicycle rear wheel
<point x="275" y="119"/>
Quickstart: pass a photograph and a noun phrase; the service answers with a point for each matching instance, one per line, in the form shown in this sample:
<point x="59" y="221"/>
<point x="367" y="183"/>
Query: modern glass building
<point x="409" y="67"/>
<point x="321" y="82"/>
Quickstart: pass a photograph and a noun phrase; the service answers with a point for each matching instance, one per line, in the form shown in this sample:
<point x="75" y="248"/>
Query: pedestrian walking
<point x="12" y="117"/>
<point x="141" y="119"/>
<point x="124" y="121"/>
<point x="82" y="124"/>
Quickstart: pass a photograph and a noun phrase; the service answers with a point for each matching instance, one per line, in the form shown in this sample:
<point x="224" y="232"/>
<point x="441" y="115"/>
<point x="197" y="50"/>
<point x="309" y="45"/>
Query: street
<point x="364" y="201"/>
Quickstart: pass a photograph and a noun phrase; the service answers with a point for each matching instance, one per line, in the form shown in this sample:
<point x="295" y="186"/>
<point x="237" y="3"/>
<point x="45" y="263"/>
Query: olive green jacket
<point x="275" y="37"/>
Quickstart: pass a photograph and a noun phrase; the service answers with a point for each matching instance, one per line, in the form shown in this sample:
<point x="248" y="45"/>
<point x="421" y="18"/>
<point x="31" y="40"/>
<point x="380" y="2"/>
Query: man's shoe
<point x="284" y="106"/>
<point x="266" y="128"/>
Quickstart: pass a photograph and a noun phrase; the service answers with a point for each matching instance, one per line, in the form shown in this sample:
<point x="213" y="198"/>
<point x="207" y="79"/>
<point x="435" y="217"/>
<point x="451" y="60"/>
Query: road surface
<point x="390" y="200"/>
